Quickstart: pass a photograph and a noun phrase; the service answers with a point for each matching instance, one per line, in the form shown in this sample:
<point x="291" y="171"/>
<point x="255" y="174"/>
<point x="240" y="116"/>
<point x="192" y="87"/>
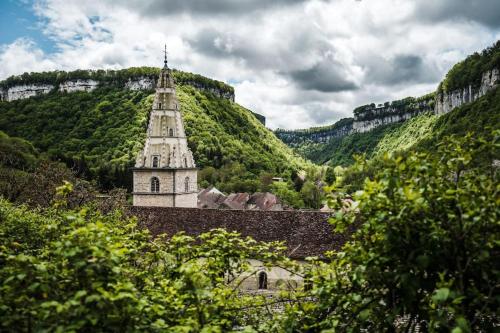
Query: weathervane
<point x="165" y="61"/>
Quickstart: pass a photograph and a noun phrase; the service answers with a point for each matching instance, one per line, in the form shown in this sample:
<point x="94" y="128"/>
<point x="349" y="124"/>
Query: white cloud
<point x="23" y="56"/>
<point x="301" y="64"/>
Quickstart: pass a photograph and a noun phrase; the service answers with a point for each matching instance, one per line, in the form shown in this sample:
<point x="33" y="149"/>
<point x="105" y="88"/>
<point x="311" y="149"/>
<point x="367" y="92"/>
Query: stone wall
<point x="188" y="200"/>
<point x="142" y="180"/>
<point x="150" y="199"/>
<point x="306" y="233"/>
<point x="277" y="278"/>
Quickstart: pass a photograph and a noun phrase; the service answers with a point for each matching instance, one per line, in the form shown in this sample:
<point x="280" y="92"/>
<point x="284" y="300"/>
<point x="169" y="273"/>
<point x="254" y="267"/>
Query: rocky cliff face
<point x="369" y="117"/>
<point x="78" y="85"/>
<point x="140" y="83"/>
<point x="295" y="138"/>
<point x="361" y="126"/>
<point x="25" y="91"/>
<point x="366" y="118"/>
<point x="147" y="83"/>
<point x="217" y="92"/>
<point x="447" y="101"/>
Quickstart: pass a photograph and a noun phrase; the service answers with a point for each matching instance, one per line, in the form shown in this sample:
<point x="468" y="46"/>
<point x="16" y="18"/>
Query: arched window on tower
<point x="155" y="185"/>
<point x="159" y="105"/>
<point x="262" y="280"/>
<point x="186" y="184"/>
<point x="171" y="132"/>
<point x="185" y="162"/>
<point x="156" y="161"/>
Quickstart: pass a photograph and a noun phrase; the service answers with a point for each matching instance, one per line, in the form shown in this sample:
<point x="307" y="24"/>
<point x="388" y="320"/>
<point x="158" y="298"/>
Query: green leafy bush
<point x="423" y="251"/>
<point x="78" y="270"/>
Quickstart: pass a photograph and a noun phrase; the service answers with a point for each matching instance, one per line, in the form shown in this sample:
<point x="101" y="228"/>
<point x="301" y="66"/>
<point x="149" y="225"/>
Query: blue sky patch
<point x="19" y="21"/>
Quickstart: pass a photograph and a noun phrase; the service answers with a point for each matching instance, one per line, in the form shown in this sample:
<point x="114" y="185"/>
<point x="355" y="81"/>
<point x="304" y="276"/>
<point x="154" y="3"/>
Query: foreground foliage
<point x="425" y="250"/>
<point x="65" y="270"/>
<point x="423" y="254"/>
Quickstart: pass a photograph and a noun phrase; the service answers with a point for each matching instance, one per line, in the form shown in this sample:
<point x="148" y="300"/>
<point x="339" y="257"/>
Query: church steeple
<point x="165" y="62"/>
<point x="165" y="172"/>
<point x="166" y="79"/>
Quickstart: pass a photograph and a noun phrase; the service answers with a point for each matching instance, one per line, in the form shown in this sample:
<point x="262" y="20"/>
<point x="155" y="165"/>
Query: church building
<point x="165" y="174"/>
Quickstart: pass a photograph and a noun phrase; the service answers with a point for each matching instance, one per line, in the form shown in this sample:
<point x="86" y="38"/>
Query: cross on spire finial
<point x="165" y="61"/>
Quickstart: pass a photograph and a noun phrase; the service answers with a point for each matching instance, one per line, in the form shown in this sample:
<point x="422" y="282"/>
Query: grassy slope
<point x="103" y="126"/>
<point x="406" y="135"/>
<point x="107" y="127"/>
<point x="339" y="151"/>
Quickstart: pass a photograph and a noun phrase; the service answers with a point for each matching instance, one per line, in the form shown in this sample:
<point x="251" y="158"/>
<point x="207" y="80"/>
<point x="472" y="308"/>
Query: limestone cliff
<point x="78" y="85"/>
<point x="447" y="101"/>
<point x="143" y="78"/>
<point x="25" y="91"/>
<point x="371" y="116"/>
<point x="148" y="83"/>
<point x="323" y="134"/>
<point x="368" y="117"/>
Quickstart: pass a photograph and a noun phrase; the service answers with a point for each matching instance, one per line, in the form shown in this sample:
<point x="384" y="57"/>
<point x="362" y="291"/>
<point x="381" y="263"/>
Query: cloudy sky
<point x="300" y="63"/>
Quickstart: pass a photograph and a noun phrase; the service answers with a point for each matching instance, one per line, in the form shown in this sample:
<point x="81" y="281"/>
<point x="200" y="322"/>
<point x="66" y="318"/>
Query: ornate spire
<point x="165" y="61"/>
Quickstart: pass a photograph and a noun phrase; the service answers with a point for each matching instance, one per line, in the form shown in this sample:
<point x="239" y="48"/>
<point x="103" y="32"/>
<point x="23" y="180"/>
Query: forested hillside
<point x="100" y="132"/>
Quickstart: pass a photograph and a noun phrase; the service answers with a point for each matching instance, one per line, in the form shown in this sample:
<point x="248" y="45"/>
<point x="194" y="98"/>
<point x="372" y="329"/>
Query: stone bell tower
<point x="165" y="174"/>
